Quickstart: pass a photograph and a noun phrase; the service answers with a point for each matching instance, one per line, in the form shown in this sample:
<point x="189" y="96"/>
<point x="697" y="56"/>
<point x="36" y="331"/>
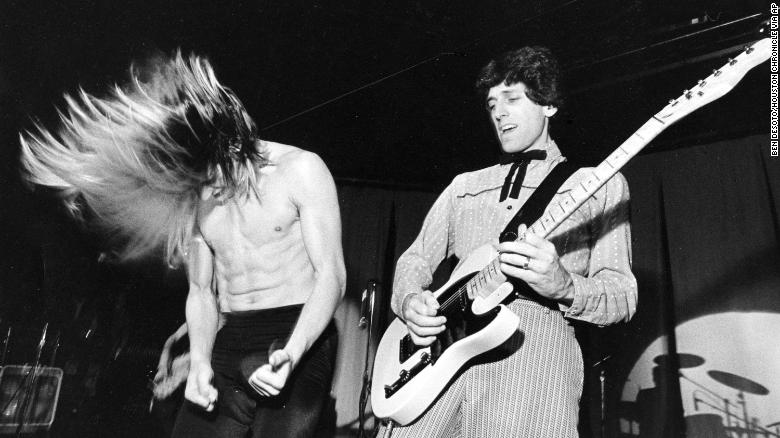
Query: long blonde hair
<point x="137" y="160"/>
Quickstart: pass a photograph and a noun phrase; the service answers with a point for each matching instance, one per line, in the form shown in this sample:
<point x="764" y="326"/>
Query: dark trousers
<point x="241" y="346"/>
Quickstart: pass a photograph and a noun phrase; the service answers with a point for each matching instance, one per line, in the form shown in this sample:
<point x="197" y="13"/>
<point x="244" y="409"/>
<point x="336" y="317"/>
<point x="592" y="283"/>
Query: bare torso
<point x="260" y="260"/>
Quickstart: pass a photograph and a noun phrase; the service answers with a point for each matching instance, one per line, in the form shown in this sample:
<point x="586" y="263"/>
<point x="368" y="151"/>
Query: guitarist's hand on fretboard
<point x="420" y="313"/>
<point x="535" y="261"/>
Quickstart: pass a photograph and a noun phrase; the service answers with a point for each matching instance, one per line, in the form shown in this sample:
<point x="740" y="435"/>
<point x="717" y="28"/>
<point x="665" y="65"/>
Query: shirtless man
<point x="173" y="160"/>
<point x="272" y="255"/>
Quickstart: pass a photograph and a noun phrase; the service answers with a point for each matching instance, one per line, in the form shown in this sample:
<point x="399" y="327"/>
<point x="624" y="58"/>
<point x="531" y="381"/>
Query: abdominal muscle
<point x="274" y="275"/>
<point x="260" y="260"/>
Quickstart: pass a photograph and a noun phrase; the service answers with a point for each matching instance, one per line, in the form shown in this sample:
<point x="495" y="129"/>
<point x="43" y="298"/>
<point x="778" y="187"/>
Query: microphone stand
<point x="5" y="346"/>
<point x="30" y="389"/>
<point x="366" y="321"/>
<point x="602" y="393"/>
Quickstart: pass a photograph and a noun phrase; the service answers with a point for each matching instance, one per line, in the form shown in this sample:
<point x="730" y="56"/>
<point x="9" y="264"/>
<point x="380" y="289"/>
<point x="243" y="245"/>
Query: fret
<point x="549" y="218"/>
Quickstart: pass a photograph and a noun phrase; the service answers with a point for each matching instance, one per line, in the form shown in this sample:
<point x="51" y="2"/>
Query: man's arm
<point x="318" y="208"/>
<point x="411" y="300"/>
<point x="202" y="322"/>
<point x="163" y="367"/>
<point x="315" y="197"/>
<point x="608" y="294"/>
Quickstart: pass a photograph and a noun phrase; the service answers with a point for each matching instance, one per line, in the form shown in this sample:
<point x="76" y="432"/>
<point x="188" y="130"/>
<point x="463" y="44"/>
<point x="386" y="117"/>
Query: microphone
<point x="367" y="303"/>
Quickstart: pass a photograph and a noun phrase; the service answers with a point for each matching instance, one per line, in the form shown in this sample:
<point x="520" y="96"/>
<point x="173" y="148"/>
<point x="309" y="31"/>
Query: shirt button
<point x="508" y="207"/>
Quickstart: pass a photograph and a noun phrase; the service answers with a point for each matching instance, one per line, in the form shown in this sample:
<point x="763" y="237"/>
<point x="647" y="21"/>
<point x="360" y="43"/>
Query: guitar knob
<point x="732" y="61"/>
<point x="749" y="49"/>
<point x="716" y="72"/>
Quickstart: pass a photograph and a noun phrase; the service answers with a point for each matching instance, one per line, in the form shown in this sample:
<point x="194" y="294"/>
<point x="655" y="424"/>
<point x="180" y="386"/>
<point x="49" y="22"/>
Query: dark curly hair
<point x="533" y="66"/>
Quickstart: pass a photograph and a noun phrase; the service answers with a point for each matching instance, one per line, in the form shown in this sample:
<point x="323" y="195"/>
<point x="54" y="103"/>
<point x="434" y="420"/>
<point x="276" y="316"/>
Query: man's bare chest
<point x="250" y="222"/>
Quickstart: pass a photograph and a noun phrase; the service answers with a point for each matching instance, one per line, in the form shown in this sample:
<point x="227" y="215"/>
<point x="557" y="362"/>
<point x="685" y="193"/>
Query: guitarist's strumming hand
<point x="419" y="310"/>
<point x="535" y="261"/>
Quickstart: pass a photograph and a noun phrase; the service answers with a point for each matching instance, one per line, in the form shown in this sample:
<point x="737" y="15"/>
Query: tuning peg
<point x="687" y="94"/>
<point x="701" y="83"/>
<point x="672" y="102"/>
<point x="749" y="49"/>
<point x="732" y="61"/>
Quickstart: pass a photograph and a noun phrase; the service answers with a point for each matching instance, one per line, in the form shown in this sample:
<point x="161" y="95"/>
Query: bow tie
<point x="514" y="157"/>
<point x="519" y="161"/>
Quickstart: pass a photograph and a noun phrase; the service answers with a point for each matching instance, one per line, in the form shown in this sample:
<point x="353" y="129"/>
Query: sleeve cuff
<point x="578" y="303"/>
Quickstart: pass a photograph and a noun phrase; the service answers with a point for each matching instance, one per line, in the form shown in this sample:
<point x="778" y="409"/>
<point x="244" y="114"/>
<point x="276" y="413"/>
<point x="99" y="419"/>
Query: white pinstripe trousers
<point x="533" y="392"/>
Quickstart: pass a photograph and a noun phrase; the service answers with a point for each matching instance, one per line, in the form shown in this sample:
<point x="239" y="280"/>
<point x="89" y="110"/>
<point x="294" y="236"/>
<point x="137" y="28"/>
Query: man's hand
<point x="419" y="311"/>
<point x="199" y="389"/>
<point x="269" y="379"/>
<point x="535" y="261"/>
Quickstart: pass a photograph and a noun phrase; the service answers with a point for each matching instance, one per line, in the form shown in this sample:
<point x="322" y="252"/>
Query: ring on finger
<point x="527" y="261"/>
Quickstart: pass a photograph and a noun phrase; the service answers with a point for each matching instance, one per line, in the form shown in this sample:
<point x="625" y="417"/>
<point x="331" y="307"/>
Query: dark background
<point x="382" y="90"/>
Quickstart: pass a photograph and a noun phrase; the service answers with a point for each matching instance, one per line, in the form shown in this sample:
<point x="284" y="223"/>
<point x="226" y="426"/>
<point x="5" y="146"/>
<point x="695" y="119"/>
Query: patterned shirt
<point x="594" y="243"/>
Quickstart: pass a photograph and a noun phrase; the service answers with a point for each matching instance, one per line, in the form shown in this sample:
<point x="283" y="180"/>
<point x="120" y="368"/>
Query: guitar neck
<point x="558" y="212"/>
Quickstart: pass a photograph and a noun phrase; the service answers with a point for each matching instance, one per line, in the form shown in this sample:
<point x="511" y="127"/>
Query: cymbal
<point x="738" y="382"/>
<point x="685" y="360"/>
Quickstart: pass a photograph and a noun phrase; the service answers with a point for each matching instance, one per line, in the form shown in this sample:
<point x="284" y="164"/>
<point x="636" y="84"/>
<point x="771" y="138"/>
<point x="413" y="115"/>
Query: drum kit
<point x="738" y="424"/>
<point x="738" y="421"/>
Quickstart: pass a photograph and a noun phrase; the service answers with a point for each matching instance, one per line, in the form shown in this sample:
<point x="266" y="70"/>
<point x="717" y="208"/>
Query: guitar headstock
<point x="720" y="82"/>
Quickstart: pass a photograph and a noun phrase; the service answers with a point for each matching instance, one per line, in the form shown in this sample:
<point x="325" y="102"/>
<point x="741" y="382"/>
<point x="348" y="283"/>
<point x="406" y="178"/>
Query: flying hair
<point x="136" y="161"/>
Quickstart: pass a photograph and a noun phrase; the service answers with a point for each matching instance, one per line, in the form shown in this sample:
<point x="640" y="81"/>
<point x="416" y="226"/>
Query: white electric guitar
<point x="408" y="378"/>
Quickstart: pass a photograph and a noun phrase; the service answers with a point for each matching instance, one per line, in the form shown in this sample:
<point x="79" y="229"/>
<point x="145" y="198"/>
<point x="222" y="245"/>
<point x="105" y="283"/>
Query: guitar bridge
<point x="404" y="376"/>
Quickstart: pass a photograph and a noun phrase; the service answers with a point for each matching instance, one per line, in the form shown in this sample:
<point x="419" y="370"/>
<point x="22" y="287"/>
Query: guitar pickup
<point x="404" y="376"/>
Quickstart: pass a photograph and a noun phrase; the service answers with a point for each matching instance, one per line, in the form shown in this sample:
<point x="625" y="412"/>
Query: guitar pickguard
<point x="461" y="322"/>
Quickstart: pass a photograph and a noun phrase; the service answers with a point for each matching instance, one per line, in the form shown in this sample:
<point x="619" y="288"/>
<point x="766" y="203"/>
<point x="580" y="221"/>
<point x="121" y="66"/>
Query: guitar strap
<point x="533" y="208"/>
<point x="529" y="213"/>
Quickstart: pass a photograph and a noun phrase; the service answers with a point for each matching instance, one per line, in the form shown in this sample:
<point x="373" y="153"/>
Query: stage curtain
<point x="706" y="253"/>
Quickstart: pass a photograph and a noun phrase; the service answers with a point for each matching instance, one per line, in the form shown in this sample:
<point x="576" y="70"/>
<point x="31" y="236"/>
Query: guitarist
<point x="174" y="161"/>
<point x="531" y="385"/>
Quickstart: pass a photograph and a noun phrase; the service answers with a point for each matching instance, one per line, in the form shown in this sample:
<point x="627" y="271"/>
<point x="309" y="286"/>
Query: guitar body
<point x="467" y="335"/>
